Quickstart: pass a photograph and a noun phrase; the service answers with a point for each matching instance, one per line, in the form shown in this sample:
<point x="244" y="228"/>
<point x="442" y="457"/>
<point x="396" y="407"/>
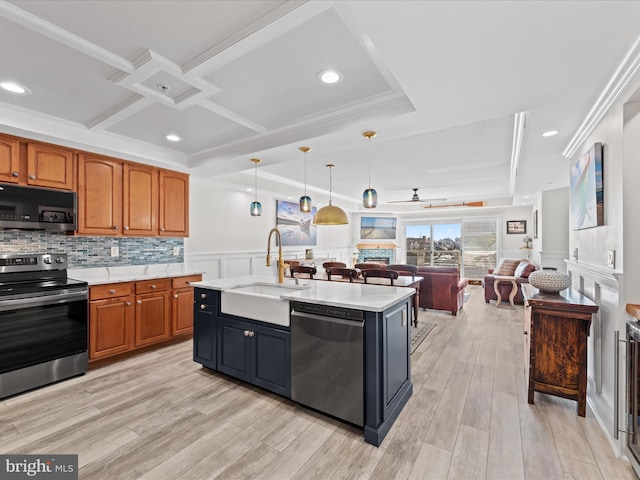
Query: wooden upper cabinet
<point x="9" y="160"/>
<point x="99" y="195"/>
<point x="174" y="204"/>
<point x="49" y="166"/>
<point x="140" y="200"/>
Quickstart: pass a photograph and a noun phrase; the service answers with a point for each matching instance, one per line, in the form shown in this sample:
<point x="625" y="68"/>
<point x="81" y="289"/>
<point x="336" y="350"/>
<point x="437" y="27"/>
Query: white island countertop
<point x="373" y="298"/>
<point x="132" y="273"/>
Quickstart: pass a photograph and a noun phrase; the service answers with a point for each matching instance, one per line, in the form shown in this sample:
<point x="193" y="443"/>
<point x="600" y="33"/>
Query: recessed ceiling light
<point x="15" y="88"/>
<point x="330" y="77"/>
<point x="249" y="189"/>
<point x="172" y="137"/>
<point x="550" y="133"/>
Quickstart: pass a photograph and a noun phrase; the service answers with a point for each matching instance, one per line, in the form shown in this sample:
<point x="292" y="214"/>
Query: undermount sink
<point x="259" y="301"/>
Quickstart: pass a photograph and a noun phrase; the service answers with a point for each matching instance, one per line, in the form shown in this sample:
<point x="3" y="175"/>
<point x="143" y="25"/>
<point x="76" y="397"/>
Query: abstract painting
<point x="296" y="227"/>
<point x="587" y="190"/>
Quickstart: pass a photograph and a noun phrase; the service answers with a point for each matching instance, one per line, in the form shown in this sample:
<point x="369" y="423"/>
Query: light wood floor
<point x="162" y="416"/>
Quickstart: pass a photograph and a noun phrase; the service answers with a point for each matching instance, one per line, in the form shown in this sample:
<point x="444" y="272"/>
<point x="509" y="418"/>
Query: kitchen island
<point x="286" y="352"/>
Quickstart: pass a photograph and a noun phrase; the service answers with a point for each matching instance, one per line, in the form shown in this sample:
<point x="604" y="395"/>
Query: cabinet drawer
<point x="150" y="286"/>
<point x="184" y="282"/>
<point x="110" y="290"/>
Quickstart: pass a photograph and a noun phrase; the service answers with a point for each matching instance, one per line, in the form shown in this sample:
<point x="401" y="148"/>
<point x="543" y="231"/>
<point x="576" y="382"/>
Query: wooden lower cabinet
<point x="556" y="327"/>
<point x="152" y="318"/>
<point x="130" y="315"/>
<point x="110" y="326"/>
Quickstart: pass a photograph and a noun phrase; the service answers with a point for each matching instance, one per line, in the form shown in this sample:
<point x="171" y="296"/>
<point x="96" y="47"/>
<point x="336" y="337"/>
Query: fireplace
<point x="384" y="253"/>
<point x="384" y="260"/>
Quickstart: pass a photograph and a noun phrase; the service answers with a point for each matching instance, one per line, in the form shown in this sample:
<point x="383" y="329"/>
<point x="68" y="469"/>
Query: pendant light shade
<point x="330" y="215"/>
<point x="256" y="206"/>
<point x="369" y="196"/>
<point x="305" y="200"/>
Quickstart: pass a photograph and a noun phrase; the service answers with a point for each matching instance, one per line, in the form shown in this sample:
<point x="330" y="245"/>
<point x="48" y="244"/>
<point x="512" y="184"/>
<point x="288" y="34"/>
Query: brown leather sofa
<point x="522" y="270"/>
<point x="441" y="288"/>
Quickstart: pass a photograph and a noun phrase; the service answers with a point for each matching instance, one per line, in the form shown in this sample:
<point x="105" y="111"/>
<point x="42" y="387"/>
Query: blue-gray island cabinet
<point x="261" y="353"/>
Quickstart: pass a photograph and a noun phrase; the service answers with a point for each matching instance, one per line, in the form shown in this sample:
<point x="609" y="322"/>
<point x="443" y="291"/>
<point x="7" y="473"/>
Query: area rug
<point x="420" y="333"/>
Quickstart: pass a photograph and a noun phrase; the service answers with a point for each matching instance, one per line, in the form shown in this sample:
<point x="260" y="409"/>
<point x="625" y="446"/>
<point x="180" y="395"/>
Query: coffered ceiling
<point x="441" y="83"/>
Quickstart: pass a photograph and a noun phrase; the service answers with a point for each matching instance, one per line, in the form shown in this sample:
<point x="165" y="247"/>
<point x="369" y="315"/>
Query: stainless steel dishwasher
<point x="327" y="360"/>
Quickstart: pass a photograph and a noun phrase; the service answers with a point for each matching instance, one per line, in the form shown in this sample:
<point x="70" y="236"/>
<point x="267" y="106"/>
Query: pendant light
<point x="369" y="196"/>
<point x="305" y="201"/>
<point x="330" y="215"/>
<point x="256" y="207"/>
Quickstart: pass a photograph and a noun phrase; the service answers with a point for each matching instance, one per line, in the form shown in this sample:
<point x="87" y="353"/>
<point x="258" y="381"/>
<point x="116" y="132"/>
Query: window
<point x="470" y="244"/>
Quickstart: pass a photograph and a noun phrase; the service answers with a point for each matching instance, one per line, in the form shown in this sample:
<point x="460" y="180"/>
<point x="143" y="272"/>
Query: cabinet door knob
<point x="139" y="302"/>
<point x="15" y="174"/>
<point x="175" y="295"/>
<point x="126" y="228"/>
<point x="115" y="227"/>
<point x="526" y="333"/>
<point x="128" y="304"/>
<point x="251" y="334"/>
<point x="203" y="306"/>
<point x="246" y="333"/>
<point x="112" y="291"/>
<point x="203" y="295"/>
<point x="153" y="286"/>
<point x="32" y="177"/>
<point x="162" y="229"/>
<point x="188" y="282"/>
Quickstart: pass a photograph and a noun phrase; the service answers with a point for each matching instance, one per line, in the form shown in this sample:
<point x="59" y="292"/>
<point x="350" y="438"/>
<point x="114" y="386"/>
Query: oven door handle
<point x="66" y="296"/>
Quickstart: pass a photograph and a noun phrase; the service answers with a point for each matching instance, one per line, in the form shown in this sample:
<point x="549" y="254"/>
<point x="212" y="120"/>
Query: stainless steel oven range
<point x="43" y="322"/>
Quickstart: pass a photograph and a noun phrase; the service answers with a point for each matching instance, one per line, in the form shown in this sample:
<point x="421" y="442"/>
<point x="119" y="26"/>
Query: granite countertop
<point x="102" y="275"/>
<point x="373" y="298"/>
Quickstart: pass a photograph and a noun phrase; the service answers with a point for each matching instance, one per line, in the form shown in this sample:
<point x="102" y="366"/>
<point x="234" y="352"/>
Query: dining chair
<point x="403" y="269"/>
<point x="349" y="273"/>
<point x="326" y="265"/>
<point x="303" y="269"/>
<point x="390" y="274"/>
<point x="369" y="266"/>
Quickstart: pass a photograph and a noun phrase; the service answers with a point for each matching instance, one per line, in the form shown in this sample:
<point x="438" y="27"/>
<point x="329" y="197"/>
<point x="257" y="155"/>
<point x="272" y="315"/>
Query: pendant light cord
<point x="369" y="162"/>
<point x="255" y="183"/>
<point x="305" y="173"/>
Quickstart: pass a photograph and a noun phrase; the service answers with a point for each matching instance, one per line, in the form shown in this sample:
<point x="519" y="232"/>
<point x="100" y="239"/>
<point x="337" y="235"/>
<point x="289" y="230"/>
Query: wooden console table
<point x="556" y="327"/>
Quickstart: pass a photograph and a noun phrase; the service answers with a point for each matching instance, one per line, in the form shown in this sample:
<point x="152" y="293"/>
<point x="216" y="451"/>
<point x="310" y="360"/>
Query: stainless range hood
<point x="31" y="208"/>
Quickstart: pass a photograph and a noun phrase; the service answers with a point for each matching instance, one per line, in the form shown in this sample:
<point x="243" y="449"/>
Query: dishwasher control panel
<point x="327" y="311"/>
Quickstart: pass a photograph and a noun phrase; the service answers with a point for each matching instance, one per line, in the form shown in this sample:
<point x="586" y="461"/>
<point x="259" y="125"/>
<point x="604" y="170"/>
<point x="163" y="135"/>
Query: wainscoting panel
<point x="603" y="286"/>
<point x="230" y="264"/>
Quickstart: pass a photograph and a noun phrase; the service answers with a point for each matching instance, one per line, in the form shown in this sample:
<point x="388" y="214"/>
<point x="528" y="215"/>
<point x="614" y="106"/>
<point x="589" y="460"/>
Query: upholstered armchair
<point x="508" y="267"/>
<point x="442" y="288"/>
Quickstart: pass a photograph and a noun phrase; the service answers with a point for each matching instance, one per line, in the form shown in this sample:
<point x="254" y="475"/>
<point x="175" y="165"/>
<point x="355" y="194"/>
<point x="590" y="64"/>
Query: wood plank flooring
<point x="162" y="416"/>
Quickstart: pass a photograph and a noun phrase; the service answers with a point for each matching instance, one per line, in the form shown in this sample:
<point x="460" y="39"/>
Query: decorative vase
<point x="549" y="281"/>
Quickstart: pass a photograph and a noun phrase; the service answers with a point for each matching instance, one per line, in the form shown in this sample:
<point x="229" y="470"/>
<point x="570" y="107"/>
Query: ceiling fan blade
<point x="419" y="200"/>
<point x="463" y="204"/>
<point x="416" y="199"/>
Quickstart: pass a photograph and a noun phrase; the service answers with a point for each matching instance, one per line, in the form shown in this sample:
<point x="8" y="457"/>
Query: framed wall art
<point x="296" y="227"/>
<point x="587" y="190"/>
<point x="378" y="228"/>
<point x="516" y="227"/>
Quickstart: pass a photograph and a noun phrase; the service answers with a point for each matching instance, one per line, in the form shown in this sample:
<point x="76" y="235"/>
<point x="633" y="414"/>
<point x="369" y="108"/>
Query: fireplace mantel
<point x="371" y="246"/>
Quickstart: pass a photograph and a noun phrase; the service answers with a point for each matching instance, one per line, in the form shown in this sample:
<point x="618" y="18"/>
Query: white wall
<point x="553" y="228"/>
<point x="619" y="132"/>
<point x="225" y="240"/>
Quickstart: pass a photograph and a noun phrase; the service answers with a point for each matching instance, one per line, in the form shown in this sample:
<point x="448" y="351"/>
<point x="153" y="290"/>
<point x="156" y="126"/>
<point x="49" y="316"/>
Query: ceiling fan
<point x="416" y="199"/>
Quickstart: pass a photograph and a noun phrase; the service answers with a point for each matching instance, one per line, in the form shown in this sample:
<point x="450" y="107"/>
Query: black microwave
<point x="31" y="208"/>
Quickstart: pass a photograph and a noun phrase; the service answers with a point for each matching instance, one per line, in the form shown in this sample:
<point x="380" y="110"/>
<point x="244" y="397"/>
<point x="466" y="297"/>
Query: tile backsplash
<point x="89" y="252"/>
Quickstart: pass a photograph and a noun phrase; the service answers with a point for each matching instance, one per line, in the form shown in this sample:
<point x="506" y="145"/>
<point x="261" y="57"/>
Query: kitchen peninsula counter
<point x="373" y="298"/>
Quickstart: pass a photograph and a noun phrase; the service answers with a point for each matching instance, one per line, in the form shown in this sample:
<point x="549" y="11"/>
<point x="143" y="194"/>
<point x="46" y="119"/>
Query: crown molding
<point x="615" y="88"/>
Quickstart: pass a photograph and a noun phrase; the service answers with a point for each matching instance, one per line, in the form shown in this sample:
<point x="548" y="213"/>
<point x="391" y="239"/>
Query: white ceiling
<point x="441" y="83"/>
